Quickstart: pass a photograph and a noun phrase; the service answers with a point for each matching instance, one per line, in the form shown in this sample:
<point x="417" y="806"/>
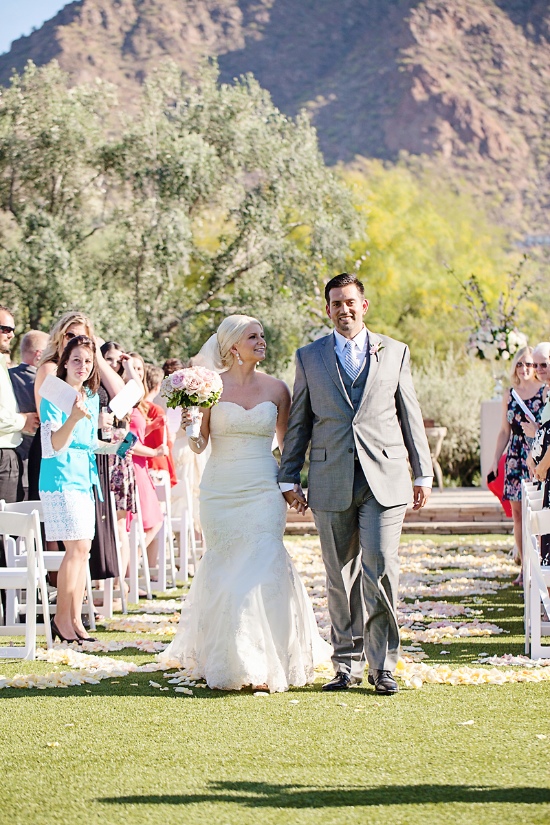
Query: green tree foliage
<point x="423" y="242"/>
<point x="209" y="201"/>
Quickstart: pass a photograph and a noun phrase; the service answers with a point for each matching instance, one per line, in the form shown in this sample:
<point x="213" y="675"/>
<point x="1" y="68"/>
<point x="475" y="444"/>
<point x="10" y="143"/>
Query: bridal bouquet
<point x="192" y="387"/>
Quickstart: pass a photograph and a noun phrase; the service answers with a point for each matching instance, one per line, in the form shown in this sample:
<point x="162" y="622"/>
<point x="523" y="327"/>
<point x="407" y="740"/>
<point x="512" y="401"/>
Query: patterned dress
<point x="519" y="445"/>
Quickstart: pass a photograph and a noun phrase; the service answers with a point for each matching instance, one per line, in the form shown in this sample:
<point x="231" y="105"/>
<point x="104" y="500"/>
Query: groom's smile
<point x="346" y="309"/>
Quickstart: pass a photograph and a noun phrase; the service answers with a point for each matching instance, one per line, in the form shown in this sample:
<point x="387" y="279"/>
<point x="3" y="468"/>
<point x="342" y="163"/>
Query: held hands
<point x="296" y="499"/>
<point x="420" y="497"/>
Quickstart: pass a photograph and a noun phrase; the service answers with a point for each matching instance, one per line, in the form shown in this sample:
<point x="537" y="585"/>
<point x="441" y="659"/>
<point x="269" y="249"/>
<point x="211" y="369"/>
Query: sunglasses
<point x="527" y="364"/>
<point x="541" y="366"/>
<point x="6" y="330"/>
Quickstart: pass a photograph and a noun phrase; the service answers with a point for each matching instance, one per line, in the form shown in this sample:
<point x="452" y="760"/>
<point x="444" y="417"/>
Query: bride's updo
<point x="216" y="353"/>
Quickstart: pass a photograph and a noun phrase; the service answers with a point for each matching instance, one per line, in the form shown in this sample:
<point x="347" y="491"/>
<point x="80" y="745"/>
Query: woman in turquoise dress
<point x="68" y="474"/>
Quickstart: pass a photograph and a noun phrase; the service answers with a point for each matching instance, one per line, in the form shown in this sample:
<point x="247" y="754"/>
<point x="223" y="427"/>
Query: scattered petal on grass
<point x="342" y="704"/>
<point x="184" y="690"/>
<point x="444" y="652"/>
<point x="259" y="693"/>
<point x="541" y="736"/>
<point x="52" y="744"/>
<point x="134" y="684"/>
<point x="293" y="701"/>
<point x="469" y="722"/>
<point x="154" y="684"/>
<point x="69" y="725"/>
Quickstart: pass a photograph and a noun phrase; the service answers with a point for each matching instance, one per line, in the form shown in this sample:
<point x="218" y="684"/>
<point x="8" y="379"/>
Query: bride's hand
<point x="296" y="499"/>
<point x="187" y="417"/>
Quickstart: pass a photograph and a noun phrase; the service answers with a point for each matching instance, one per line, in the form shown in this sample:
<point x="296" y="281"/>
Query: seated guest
<point x="12" y="422"/>
<point x="528" y="395"/>
<point x="22" y="377"/>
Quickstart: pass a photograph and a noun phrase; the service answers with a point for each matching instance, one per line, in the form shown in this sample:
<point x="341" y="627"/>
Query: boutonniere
<point x="376" y="348"/>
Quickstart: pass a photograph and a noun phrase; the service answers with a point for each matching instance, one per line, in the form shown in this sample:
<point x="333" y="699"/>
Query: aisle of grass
<point x="124" y="751"/>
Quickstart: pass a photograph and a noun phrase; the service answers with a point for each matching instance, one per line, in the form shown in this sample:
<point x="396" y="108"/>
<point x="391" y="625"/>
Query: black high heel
<point x="85" y="638"/>
<point x="56" y="634"/>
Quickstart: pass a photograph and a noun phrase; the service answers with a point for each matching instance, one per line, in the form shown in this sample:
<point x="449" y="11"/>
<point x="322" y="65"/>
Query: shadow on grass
<point x="264" y="795"/>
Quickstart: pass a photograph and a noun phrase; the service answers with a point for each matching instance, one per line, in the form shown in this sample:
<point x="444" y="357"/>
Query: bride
<point x="247" y="619"/>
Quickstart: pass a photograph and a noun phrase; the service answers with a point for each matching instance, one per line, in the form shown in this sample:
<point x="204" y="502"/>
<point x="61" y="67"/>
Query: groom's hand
<point x="421" y="496"/>
<point x="296" y="499"/>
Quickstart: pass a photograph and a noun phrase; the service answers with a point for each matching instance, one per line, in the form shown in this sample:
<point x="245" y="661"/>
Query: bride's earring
<point x="239" y="361"/>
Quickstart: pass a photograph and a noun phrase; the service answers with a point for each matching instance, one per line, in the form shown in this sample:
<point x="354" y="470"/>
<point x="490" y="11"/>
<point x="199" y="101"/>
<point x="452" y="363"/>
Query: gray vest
<point x="355" y="390"/>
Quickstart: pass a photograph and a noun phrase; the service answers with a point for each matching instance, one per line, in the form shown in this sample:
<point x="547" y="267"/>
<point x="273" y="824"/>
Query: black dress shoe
<point x="383" y="681"/>
<point x="342" y="681"/>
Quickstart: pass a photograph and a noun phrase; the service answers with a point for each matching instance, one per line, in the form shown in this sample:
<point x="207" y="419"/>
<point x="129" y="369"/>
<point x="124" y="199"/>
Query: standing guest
<point x="511" y="436"/>
<point x="113" y="354"/>
<point x="70" y="325"/>
<point x="22" y="377"/>
<point x="171" y="365"/>
<point x="150" y="508"/>
<point x="68" y="474"/>
<point x="539" y="463"/>
<point x="12" y="423"/>
<point x="156" y="432"/>
<point x="122" y="475"/>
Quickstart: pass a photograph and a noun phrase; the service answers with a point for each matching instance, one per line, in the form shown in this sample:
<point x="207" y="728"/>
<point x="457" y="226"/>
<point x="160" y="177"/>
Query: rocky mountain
<point x="462" y="83"/>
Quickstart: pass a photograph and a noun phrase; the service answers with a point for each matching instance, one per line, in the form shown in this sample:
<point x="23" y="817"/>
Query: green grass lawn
<point x="129" y="753"/>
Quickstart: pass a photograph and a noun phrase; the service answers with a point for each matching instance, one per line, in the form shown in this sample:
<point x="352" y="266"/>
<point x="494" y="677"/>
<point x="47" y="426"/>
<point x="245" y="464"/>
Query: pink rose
<point x="177" y="379"/>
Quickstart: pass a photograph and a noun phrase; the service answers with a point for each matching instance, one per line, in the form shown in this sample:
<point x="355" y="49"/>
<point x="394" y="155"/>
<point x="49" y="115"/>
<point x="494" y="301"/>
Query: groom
<point x="355" y="403"/>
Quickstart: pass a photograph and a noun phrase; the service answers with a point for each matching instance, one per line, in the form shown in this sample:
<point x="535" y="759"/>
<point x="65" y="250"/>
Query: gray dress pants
<point x="360" y="548"/>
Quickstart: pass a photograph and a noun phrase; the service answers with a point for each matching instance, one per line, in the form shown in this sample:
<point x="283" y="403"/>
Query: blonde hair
<point x="520" y="354"/>
<point x="230" y="331"/>
<point x="56" y="345"/>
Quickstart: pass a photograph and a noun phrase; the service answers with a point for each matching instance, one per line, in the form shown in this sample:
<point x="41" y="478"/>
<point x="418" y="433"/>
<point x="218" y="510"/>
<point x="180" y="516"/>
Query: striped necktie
<point x="351" y="364"/>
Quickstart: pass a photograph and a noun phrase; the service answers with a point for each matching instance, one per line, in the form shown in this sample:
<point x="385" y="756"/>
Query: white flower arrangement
<point x="493" y="343"/>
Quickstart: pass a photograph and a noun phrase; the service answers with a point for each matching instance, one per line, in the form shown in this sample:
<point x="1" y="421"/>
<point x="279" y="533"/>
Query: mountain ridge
<point x="463" y="83"/>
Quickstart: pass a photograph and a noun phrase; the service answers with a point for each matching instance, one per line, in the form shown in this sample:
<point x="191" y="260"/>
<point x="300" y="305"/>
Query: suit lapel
<point x="375" y="360"/>
<point x="329" y="359"/>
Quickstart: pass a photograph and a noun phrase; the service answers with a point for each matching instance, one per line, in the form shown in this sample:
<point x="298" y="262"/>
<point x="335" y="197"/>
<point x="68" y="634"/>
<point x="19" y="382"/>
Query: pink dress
<point x="150" y="507"/>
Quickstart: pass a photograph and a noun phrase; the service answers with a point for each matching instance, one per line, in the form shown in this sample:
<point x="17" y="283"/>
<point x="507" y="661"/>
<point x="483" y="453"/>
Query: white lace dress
<point x="247" y="619"/>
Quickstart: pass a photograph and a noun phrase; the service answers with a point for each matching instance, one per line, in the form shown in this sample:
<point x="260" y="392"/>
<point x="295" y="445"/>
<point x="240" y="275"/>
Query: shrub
<point x="450" y="391"/>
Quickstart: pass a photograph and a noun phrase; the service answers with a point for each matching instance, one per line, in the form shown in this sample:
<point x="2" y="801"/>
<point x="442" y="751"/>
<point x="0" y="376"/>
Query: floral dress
<point x="519" y="445"/>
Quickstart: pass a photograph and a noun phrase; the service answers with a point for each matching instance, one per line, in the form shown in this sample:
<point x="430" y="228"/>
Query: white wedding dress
<point x="247" y="619"/>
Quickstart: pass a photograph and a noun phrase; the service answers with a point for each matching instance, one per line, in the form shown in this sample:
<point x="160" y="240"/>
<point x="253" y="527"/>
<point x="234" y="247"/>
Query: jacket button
<point x="350" y="450"/>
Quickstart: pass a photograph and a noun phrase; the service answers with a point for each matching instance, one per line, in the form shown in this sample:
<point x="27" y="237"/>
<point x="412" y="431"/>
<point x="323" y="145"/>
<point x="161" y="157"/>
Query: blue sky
<point x="17" y="17"/>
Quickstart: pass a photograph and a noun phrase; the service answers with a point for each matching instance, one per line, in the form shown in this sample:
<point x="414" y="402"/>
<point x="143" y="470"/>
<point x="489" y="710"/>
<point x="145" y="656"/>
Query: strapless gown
<point x="247" y="619"/>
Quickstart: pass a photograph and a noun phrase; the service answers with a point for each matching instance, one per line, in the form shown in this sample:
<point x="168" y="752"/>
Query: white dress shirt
<point x="360" y="342"/>
<point x="11" y="421"/>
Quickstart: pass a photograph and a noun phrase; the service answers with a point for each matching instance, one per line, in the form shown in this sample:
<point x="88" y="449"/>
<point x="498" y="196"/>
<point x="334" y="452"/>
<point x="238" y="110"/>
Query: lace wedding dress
<point x="247" y="619"/>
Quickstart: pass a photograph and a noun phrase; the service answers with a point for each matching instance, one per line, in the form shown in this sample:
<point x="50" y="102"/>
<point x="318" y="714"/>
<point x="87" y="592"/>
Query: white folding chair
<point x="28" y="576"/>
<point x="137" y="544"/>
<point x="184" y="525"/>
<point x="165" y="538"/>
<point x="53" y="558"/>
